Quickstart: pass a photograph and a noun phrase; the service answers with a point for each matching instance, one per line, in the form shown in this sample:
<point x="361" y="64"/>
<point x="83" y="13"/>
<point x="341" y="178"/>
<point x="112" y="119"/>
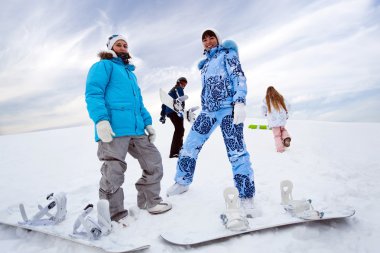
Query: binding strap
<point x="57" y="201"/>
<point x="93" y="229"/>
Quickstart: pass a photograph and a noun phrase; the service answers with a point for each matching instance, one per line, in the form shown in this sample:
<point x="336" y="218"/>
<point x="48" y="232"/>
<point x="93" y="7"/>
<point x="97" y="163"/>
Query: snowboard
<point x="199" y="235"/>
<point x="120" y="240"/>
<point x="167" y="100"/>
<point x="261" y="127"/>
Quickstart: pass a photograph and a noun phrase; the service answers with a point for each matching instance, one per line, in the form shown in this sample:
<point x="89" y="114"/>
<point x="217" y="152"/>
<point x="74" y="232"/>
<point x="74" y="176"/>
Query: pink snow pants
<point x="280" y="133"/>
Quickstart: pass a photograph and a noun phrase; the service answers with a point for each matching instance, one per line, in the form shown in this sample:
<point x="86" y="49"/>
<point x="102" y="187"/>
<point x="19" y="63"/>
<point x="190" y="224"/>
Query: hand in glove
<point x="104" y="131"/>
<point x="151" y="133"/>
<point x="239" y="113"/>
<point x="190" y="115"/>
<point x="162" y="119"/>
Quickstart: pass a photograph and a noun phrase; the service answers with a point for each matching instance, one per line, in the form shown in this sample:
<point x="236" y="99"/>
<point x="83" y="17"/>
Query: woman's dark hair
<point x="209" y="33"/>
<point x="182" y="79"/>
<point x="125" y="57"/>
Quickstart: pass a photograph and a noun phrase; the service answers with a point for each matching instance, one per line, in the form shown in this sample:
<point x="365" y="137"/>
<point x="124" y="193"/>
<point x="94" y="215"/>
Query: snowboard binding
<point x="179" y="104"/>
<point x="92" y="229"/>
<point x="179" y="108"/>
<point x="234" y="219"/>
<point x="297" y="208"/>
<point x="56" y="200"/>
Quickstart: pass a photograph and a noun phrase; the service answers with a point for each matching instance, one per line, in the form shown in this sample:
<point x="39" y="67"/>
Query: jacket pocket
<point x="122" y="116"/>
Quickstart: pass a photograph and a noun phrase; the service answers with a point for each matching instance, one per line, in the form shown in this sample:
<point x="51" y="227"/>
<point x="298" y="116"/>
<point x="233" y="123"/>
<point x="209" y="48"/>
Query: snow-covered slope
<point x="332" y="163"/>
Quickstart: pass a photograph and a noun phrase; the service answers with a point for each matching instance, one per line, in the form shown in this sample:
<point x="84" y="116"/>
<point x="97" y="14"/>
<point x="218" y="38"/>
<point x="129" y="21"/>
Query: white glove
<point x="104" y="130"/>
<point x="151" y="133"/>
<point x="239" y="113"/>
<point x="190" y="115"/>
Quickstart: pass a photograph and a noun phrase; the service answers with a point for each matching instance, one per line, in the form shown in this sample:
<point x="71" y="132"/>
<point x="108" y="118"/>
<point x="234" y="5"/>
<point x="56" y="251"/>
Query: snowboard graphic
<point x="198" y="235"/>
<point x="120" y="239"/>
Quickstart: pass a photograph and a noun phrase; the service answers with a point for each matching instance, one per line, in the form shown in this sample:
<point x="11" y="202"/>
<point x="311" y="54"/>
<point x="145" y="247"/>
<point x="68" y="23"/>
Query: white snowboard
<point x="167" y="100"/>
<point x="121" y="240"/>
<point x="185" y="236"/>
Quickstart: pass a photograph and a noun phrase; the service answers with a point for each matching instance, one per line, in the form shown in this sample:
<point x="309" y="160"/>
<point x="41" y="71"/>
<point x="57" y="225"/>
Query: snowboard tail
<point x="200" y="236"/>
<point x="116" y="242"/>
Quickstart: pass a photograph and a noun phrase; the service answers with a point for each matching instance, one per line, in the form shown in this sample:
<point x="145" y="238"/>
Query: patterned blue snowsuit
<point x="223" y="84"/>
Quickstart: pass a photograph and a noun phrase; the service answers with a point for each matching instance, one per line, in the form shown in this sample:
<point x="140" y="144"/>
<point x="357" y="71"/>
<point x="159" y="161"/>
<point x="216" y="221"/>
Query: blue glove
<point x="162" y="119"/>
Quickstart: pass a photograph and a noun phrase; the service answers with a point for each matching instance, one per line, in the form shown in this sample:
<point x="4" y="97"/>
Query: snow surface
<point x="331" y="163"/>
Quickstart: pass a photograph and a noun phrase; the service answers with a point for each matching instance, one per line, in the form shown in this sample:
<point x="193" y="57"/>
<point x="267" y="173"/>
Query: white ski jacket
<point x="275" y="118"/>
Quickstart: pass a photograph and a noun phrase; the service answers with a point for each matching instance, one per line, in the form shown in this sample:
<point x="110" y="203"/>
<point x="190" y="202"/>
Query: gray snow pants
<point x="113" y="155"/>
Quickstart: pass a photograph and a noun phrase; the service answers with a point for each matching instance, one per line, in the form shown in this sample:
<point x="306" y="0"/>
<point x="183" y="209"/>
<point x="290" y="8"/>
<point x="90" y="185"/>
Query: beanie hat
<point x="111" y="40"/>
<point x="211" y="32"/>
<point x="182" y="79"/>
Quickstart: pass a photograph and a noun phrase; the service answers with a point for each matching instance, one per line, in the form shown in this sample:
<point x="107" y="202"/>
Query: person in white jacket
<point x="275" y="108"/>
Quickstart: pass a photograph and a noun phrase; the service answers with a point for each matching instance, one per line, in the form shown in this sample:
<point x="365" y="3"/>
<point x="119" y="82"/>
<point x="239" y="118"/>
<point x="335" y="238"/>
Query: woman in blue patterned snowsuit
<point x="223" y="96"/>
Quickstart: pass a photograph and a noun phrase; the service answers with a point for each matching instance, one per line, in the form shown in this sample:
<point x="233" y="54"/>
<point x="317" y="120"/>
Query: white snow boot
<point x="124" y="222"/>
<point x="58" y="201"/>
<point x="161" y="207"/>
<point x="176" y="189"/>
<point x="234" y="219"/>
<point x="249" y="207"/>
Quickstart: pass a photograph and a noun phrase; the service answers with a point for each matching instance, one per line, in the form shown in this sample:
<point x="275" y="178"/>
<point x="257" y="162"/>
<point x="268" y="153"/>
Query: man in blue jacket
<point x="175" y="118"/>
<point x="115" y="105"/>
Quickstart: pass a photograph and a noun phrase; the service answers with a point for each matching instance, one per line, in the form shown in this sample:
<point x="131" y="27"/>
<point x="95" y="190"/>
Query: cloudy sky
<point x="323" y="56"/>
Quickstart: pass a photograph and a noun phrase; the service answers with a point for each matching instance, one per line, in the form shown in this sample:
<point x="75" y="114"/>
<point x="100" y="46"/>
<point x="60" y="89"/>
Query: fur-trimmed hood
<point x="226" y="45"/>
<point x="230" y="44"/>
<point x="110" y="55"/>
<point x="107" y="55"/>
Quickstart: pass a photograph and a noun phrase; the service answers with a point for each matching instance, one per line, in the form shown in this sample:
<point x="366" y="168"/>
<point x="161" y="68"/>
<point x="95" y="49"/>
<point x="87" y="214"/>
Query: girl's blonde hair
<point x="274" y="98"/>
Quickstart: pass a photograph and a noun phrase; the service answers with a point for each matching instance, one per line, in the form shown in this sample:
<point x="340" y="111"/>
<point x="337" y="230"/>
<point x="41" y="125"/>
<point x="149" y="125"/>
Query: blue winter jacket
<point x="223" y="80"/>
<point x="112" y="94"/>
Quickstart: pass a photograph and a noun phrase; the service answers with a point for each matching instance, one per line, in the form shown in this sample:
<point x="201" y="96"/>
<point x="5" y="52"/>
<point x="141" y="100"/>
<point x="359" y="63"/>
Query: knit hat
<point x="211" y="32"/>
<point x="111" y="40"/>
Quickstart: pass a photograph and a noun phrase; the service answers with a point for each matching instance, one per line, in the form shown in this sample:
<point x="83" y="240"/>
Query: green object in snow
<point x="262" y="127"/>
